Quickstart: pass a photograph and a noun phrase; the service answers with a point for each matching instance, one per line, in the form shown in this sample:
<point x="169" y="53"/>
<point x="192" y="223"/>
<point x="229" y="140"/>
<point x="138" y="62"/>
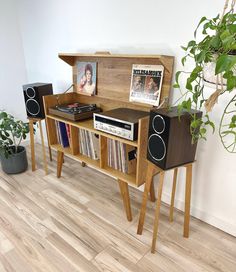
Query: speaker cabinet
<point x="169" y="139"/>
<point x="33" y="94"/>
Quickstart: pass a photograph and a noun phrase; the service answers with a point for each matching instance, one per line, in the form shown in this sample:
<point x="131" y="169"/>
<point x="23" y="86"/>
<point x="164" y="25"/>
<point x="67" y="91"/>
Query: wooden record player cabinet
<point x="113" y="87"/>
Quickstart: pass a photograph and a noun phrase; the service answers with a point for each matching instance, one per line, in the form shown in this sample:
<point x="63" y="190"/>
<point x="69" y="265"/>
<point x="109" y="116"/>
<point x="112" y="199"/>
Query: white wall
<point x="12" y="63"/>
<point x="146" y="27"/>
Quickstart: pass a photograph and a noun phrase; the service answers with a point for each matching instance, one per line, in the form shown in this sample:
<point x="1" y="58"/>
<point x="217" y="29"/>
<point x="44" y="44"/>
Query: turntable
<point x="75" y="111"/>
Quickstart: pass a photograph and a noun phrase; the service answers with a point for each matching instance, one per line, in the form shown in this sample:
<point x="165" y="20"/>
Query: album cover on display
<point x="146" y="83"/>
<point x="86" y="77"/>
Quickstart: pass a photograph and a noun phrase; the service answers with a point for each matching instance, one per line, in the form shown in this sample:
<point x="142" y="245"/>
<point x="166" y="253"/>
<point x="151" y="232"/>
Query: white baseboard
<point x="202" y="215"/>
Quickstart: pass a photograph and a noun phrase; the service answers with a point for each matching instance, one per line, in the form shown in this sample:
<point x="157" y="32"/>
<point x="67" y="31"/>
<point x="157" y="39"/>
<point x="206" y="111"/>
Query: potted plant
<point x="12" y="154"/>
<point x="216" y="48"/>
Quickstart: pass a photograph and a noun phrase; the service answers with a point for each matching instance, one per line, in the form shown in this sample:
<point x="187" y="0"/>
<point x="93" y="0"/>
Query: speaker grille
<point x="32" y="107"/>
<point x="158" y="124"/>
<point x="156" y="147"/>
<point x="30" y="92"/>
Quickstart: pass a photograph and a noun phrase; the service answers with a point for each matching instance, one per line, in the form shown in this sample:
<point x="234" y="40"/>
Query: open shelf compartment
<point x="135" y="178"/>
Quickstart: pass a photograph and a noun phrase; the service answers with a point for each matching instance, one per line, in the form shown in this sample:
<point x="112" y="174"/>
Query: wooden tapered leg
<point x="50" y="152"/>
<point x="49" y="147"/>
<point x="31" y="127"/>
<point x="43" y="148"/>
<point x="124" y="190"/>
<point x="152" y="192"/>
<point x="157" y="212"/>
<point x="187" y="199"/>
<point x="172" y="204"/>
<point x="60" y="157"/>
<point x="148" y="183"/>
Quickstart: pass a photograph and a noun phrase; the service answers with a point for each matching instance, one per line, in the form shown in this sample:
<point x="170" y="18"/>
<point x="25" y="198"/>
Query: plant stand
<point x="151" y="171"/>
<point x="32" y="146"/>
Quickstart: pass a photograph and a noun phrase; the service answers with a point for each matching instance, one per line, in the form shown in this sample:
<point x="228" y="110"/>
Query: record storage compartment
<point x="136" y="178"/>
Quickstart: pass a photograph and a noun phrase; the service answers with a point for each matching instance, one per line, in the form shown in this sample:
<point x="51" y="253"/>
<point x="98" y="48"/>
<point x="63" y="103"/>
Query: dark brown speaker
<point x="169" y="140"/>
<point x="33" y="94"/>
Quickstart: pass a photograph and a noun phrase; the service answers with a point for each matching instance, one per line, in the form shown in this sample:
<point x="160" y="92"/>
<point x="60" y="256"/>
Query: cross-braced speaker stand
<point x="151" y="171"/>
<point x="31" y="126"/>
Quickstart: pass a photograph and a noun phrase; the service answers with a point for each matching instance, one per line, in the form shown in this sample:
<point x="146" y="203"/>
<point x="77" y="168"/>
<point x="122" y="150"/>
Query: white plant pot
<point x="209" y="77"/>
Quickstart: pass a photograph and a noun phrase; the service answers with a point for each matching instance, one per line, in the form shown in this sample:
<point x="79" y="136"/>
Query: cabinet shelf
<point x="88" y="125"/>
<point x="136" y="179"/>
<point x="130" y="178"/>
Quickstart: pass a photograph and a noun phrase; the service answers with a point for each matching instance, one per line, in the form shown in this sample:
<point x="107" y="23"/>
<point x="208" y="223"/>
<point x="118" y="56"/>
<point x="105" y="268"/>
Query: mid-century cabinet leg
<point x="43" y="148"/>
<point x="172" y="204"/>
<point x="31" y="127"/>
<point x="187" y="199"/>
<point x="124" y="190"/>
<point x="60" y="157"/>
<point x="157" y="212"/>
<point x="148" y="183"/>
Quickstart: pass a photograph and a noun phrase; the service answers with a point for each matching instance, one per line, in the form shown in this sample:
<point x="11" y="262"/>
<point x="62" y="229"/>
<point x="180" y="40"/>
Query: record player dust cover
<point x="86" y="77"/>
<point x="146" y="83"/>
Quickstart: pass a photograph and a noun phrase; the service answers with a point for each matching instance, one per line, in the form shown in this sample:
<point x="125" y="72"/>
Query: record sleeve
<point x="146" y="84"/>
<point x="86" y="77"/>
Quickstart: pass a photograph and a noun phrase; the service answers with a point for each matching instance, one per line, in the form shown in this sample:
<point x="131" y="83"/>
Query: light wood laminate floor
<point x="77" y="223"/>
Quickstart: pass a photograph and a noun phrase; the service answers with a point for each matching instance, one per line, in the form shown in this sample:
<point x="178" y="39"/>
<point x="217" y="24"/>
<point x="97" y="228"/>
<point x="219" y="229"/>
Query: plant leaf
<point x="191" y="43"/>
<point x="231" y="83"/>
<point x="232" y="29"/>
<point x="183" y="60"/>
<point x="189" y="85"/>
<point x="215" y="42"/>
<point x="225" y="63"/>
<point x="176" y="86"/>
<point x="177" y="76"/>
<point x="3" y="115"/>
<point x="201" y="21"/>
<point x="210" y="124"/>
<point x="200" y="57"/>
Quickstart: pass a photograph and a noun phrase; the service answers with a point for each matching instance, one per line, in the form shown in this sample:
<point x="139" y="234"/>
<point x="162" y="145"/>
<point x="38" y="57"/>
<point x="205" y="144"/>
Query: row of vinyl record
<point x="63" y="133"/>
<point x="89" y="144"/>
<point x="88" y="141"/>
<point x="120" y="156"/>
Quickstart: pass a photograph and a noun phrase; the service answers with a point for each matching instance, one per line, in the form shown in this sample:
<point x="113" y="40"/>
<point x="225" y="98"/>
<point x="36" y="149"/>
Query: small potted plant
<point x="214" y="50"/>
<point x="12" y="154"/>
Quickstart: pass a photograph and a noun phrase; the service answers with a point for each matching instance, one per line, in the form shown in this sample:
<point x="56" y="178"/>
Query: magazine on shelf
<point x="146" y="83"/>
<point x="86" y="77"/>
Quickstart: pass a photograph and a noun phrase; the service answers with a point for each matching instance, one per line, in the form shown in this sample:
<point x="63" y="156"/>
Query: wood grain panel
<point x="142" y="150"/>
<point x="114" y="73"/>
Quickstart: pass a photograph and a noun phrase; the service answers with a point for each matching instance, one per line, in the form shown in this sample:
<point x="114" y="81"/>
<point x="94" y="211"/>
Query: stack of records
<point x="89" y="144"/>
<point x="63" y="133"/>
<point x="121" y="156"/>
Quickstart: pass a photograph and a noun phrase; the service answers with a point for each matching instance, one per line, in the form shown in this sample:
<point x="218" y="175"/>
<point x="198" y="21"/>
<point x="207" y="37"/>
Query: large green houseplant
<point x="12" y="154"/>
<point x="217" y="44"/>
